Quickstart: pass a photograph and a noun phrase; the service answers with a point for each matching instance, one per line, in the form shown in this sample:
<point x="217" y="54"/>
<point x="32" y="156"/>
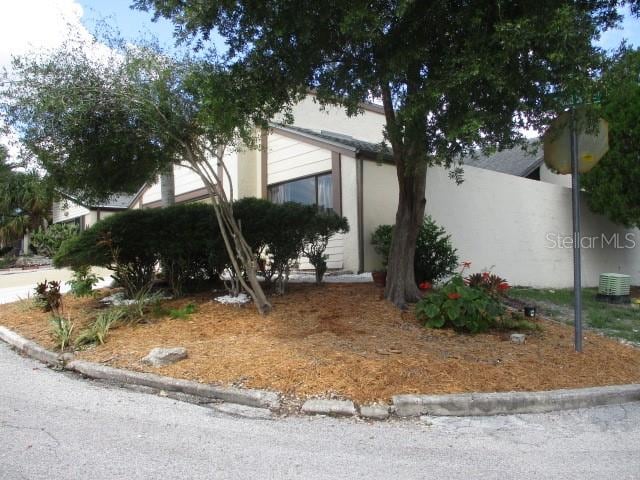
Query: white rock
<point x="519" y="338"/>
<point x="159" y="357"/>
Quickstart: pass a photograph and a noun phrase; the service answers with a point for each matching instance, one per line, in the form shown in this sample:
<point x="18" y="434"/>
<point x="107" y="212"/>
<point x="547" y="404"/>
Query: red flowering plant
<point x="489" y="282"/>
<point x="460" y="306"/>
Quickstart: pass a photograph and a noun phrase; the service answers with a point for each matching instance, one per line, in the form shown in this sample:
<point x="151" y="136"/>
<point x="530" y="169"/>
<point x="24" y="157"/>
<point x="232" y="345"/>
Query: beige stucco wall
<point x="247" y="168"/>
<point x="548" y="176"/>
<point x="519" y="228"/>
<point x="366" y="126"/>
<point x="380" y="201"/>
<point x="350" y="211"/>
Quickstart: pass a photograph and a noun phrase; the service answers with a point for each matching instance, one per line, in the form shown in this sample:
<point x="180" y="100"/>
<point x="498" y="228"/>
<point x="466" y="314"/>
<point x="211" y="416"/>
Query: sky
<point x="26" y="24"/>
<point x="39" y="24"/>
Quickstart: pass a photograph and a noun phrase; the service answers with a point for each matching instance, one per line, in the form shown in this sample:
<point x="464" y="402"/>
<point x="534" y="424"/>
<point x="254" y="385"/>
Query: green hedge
<point x="186" y="241"/>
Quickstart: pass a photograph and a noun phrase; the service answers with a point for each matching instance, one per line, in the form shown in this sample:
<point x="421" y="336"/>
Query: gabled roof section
<point x="116" y="202"/>
<point x="359" y="148"/>
<point x="514" y="161"/>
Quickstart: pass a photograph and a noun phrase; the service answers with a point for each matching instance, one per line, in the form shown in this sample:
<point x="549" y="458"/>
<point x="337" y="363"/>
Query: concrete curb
<point x="30" y="348"/>
<point x="249" y="397"/>
<point x="469" y="404"/>
<point x="321" y="406"/>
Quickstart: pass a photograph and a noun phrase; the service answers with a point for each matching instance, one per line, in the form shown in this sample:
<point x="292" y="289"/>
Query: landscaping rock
<point x="375" y="412"/>
<point x="519" y="338"/>
<point x="159" y="357"/>
<point x="341" y="408"/>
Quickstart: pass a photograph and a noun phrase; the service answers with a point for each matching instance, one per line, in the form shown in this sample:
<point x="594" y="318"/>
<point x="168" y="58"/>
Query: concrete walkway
<point x="17" y="285"/>
<point x="55" y="425"/>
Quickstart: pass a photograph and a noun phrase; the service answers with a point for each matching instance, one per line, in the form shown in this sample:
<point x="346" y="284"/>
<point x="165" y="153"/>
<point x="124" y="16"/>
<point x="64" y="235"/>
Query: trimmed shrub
<point x="125" y="243"/>
<point x="435" y="256"/>
<point x="192" y="253"/>
<point x="47" y="241"/>
<point x="275" y="233"/>
<point x="321" y="227"/>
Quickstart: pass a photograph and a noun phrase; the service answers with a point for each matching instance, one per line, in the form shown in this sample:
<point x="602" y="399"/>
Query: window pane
<point x="300" y="191"/>
<point x="325" y="192"/>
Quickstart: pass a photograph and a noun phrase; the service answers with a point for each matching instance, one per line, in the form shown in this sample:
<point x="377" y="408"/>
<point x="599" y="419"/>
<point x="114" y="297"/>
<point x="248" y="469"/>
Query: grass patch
<point x="621" y="321"/>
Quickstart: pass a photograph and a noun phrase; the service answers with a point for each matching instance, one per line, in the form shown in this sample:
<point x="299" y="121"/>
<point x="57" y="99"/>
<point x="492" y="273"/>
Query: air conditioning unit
<point x="614" y="288"/>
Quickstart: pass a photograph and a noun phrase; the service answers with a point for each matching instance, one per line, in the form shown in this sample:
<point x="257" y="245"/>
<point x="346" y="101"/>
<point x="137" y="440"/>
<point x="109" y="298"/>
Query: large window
<point x="315" y="190"/>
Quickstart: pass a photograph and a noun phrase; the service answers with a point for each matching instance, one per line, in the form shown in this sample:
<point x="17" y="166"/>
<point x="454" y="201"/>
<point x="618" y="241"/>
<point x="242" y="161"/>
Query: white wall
<point x="513" y="225"/>
<point x="65" y="210"/>
<point x="368" y="126"/>
<point x="548" y="176"/>
<point x="380" y="202"/>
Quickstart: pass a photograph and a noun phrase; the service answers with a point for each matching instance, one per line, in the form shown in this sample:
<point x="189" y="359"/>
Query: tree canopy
<point x="103" y="124"/>
<point x="612" y="185"/>
<point x="452" y="76"/>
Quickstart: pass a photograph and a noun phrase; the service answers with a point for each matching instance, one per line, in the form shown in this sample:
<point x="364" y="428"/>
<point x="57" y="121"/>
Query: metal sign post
<point x="568" y="148"/>
<point x="577" y="274"/>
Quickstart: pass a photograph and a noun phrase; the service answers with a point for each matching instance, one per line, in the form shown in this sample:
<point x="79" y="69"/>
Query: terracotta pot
<point x="379" y="278"/>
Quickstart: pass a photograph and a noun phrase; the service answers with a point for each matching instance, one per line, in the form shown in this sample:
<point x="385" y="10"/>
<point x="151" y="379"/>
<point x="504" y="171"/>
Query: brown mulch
<point x="343" y="339"/>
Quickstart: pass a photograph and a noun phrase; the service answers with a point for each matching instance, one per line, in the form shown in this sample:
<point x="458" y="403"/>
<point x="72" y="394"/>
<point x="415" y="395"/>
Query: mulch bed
<point x="343" y="340"/>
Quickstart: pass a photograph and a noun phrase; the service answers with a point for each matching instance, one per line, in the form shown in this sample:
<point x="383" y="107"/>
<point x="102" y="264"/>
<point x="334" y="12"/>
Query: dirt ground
<point x="343" y="340"/>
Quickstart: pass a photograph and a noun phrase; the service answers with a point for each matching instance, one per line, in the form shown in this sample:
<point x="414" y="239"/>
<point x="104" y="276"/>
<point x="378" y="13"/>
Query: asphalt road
<point x="58" y="426"/>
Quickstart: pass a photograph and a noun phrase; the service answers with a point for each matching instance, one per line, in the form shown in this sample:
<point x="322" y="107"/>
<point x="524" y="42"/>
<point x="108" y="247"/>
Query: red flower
<point x="453" y="296"/>
<point x="466" y="264"/>
<point x="503" y="287"/>
<point x="485" y="275"/>
<point x="425" y="286"/>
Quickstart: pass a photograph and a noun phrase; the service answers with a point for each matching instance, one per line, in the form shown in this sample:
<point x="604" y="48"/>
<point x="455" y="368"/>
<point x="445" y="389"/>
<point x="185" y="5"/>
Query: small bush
<point x="47" y="241"/>
<point x="435" y="256"/>
<point x="459" y="306"/>
<point x="61" y="331"/>
<point x="184" y="312"/>
<point x="83" y="281"/>
<point x="516" y="321"/>
<point x="321" y="227"/>
<point x="97" y="332"/>
<point x="489" y="282"/>
<point x="381" y="241"/>
<point x="48" y="297"/>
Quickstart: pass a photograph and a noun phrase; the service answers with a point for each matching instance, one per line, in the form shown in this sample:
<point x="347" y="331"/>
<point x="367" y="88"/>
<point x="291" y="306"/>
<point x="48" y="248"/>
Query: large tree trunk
<point x="401" y="284"/>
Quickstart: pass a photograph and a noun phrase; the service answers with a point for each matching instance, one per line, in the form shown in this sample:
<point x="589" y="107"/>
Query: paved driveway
<point x="58" y="426"/>
<point x="17" y="285"/>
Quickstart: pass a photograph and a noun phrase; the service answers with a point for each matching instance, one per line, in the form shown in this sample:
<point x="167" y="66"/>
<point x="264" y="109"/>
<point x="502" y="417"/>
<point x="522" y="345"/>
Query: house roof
<point x="334" y="139"/>
<point x="116" y="202"/>
<point x="513" y="161"/>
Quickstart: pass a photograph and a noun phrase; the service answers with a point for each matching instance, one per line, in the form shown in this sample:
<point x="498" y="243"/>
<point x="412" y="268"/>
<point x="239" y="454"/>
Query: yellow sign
<point x="591" y="146"/>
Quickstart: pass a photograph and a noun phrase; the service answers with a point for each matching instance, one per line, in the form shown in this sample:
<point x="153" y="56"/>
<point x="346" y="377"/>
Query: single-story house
<point x="68" y="209"/>
<point x="511" y="215"/>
